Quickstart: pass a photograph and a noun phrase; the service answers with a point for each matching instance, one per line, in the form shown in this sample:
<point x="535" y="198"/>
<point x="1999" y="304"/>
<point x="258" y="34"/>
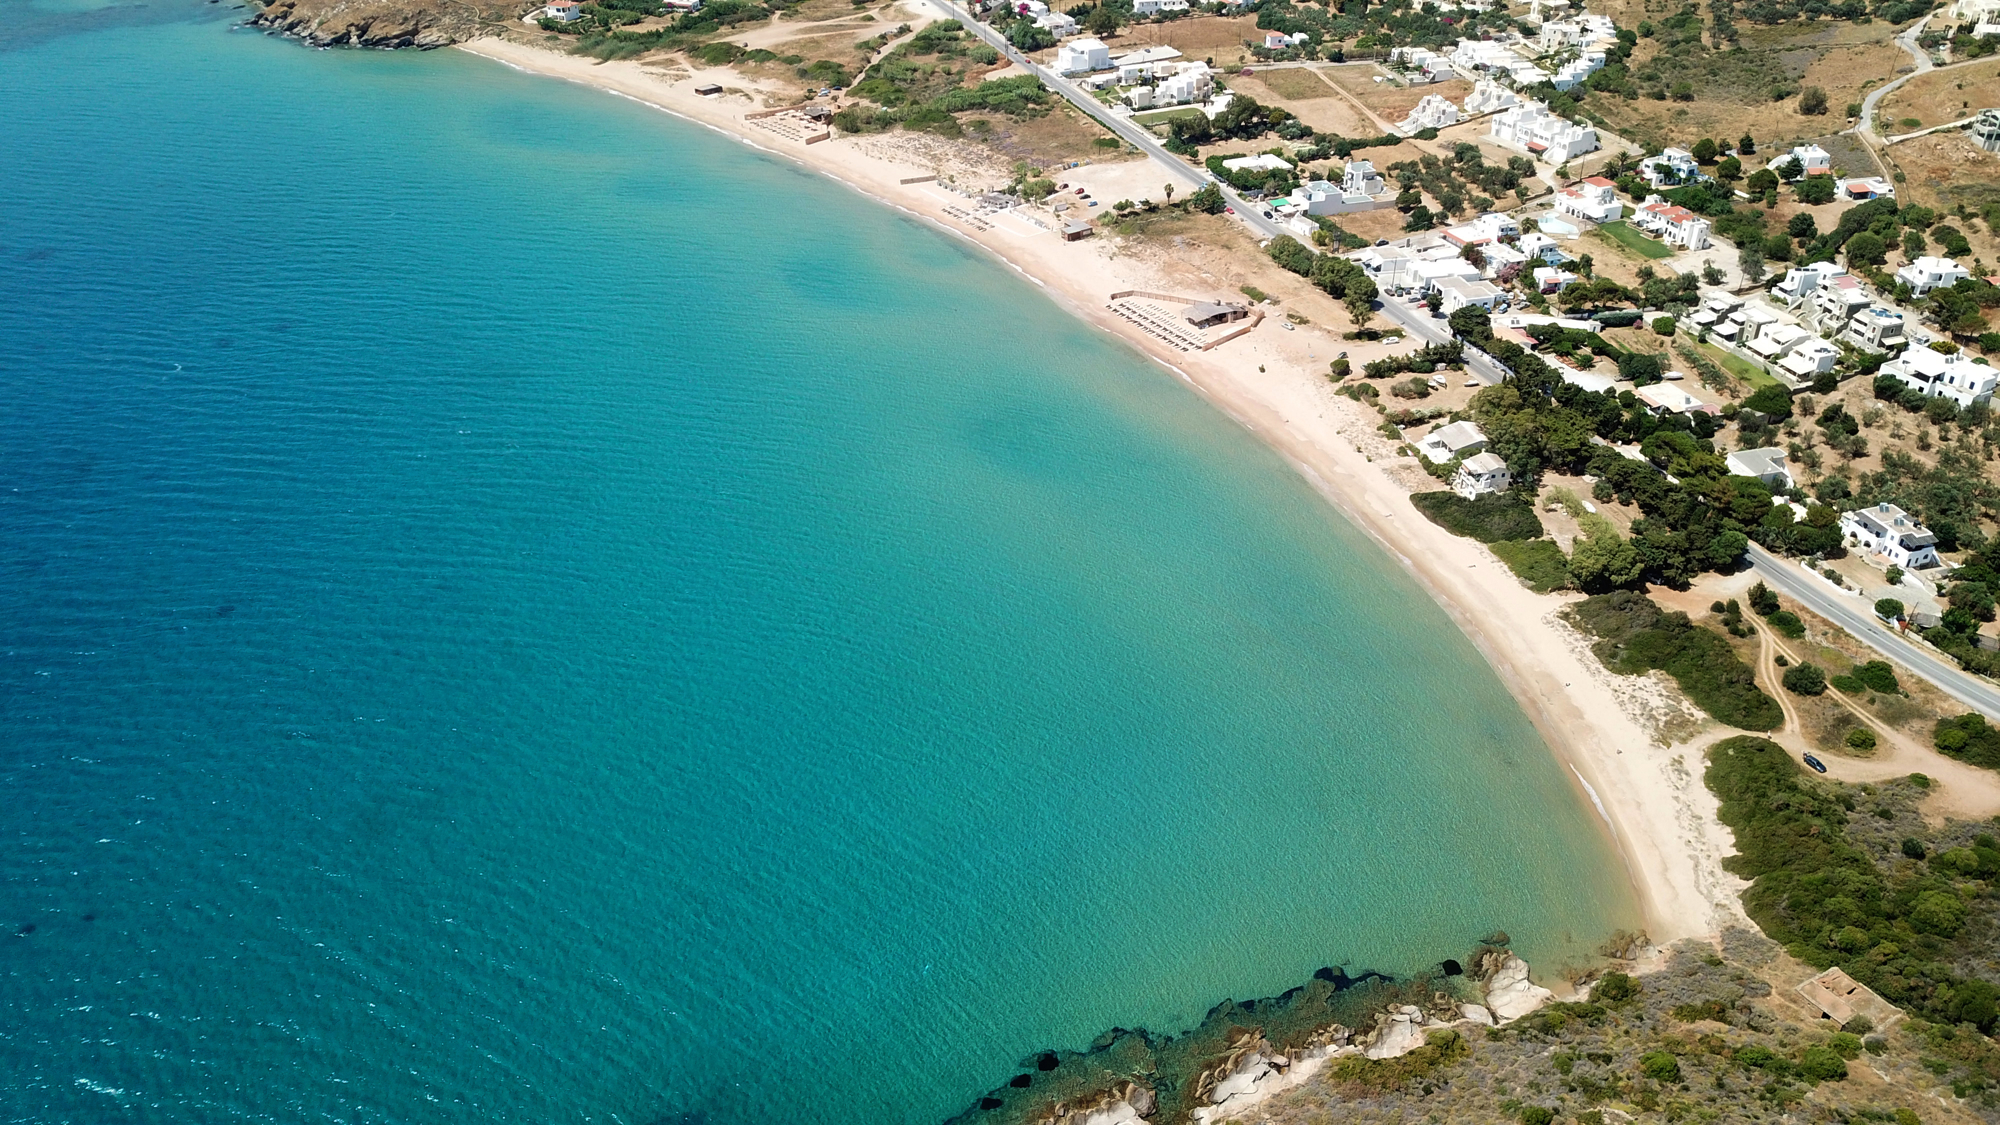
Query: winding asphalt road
<point x="1858" y="618"/>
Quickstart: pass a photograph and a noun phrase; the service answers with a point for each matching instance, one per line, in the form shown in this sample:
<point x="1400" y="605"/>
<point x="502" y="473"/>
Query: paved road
<point x="1858" y="618"/>
<point x="1865" y="128"/>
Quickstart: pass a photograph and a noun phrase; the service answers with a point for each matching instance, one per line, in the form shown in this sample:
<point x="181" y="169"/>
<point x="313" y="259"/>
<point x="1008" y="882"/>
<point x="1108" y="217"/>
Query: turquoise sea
<point x="514" y="608"/>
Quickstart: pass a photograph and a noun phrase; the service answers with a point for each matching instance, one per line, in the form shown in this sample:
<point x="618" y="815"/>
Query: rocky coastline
<point x="385" y="24"/>
<point x="1245" y="1052"/>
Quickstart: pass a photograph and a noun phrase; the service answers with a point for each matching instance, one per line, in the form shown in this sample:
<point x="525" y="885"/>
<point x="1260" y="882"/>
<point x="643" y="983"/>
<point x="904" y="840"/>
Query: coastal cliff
<point x="385" y="24"/>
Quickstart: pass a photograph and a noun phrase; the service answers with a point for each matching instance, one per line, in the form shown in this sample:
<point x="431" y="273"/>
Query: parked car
<point x="1815" y="763"/>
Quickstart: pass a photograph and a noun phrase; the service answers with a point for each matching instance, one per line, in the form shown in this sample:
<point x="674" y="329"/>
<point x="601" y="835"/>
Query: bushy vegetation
<point x="1875" y="675"/>
<point x="1635" y="635"/>
<point x="1969" y="739"/>
<point x="1493" y="518"/>
<point x="921" y="86"/>
<point x="1830" y="902"/>
<point x="1539" y="563"/>
<point x="1333" y="275"/>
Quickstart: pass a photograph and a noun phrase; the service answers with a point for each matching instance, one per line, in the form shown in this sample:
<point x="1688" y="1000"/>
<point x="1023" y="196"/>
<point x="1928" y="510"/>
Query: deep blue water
<point x="515" y="608"/>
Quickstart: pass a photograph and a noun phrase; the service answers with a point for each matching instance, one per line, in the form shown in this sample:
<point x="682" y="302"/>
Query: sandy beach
<point x="1603" y="727"/>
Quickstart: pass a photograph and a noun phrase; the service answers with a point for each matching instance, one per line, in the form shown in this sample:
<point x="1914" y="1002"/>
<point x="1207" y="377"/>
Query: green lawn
<point x="1742" y="368"/>
<point x="1622" y="234"/>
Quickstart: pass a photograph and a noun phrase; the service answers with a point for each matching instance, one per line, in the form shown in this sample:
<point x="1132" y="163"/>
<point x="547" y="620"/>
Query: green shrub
<point x="1662" y="1066"/>
<point x="1788" y="623"/>
<point x="1762" y="600"/>
<point x="1969" y="739"/>
<point x="1636" y="635"/>
<point x="1614" y="987"/>
<point x="1805" y="679"/>
<point x="1888" y="609"/>
<point x="1845" y="1044"/>
<point x="1440" y="1049"/>
<point x="1878" y="675"/>
<point x="1537" y="1115"/>
<point x="1821" y="1064"/>
<point x="1538" y="563"/>
<point x="1490" y="519"/>
<point x="1772" y="400"/>
<point x="1861" y="739"/>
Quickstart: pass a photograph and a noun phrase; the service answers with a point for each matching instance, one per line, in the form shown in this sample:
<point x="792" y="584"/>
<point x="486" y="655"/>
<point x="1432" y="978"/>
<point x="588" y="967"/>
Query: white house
<point x="1875" y="329"/>
<point x="1813" y="160"/>
<point x="1488" y="96"/>
<point x="1673" y="167"/>
<point x="1434" y="111"/>
<point x="1392" y="268"/>
<point x="1081" y="56"/>
<point x="1458" y="292"/>
<point x="1155" y="7"/>
<point x="1479" y="475"/>
<point x="1807" y="360"/>
<point x="1665" y="398"/>
<point x="1889" y="531"/>
<point x="1458" y="439"/>
<point x="1862" y="188"/>
<point x="1585" y="29"/>
<point x="1801" y="281"/>
<point x="1278" y="40"/>
<point x="1954" y="377"/>
<point x="1837" y="300"/>
<point x="1926" y="274"/>
<point x="1532" y="127"/>
<point x="1674" y="224"/>
<point x="1360" y="189"/>
<point x="1258" y="162"/>
<point x="1058" y="24"/>
<point x="1571" y="74"/>
<point x="1489" y="227"/>
<point x="1424" y="64"/>
<point x="1595" y="199"/>
<point x="1194" y="83"/>
<point x="564" y="11"/>
<point x="1767" y="465"/>
<point x="1549" y="279"/>
<point x="1473" y="56"/>
<point x="1535" y="244"/>
<point x="1985" y="131"/>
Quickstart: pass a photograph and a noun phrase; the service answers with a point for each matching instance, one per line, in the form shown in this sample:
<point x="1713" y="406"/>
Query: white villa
<point x="1767" y="465"/>
<point x="1875" y="329"/>
<point x="1674" y="224"/>
<point x="1194" y="83"/>
<point x="564" y="11"/>
<point x="1433" y="112"/>
<point x="1585" y="29"/>
<point x="1571" y="74"/>
<point x="1673" y="167"/>
<point x="1480" y="475"/>
<point x="1926" y="274"/>
<point x="1081" y="56"/>
<point x="1838" y="300"/>
<point x="1458" y="439"/>
<point x="1813" y="160"/>
<point x="1862" y="188"/>
<point x="1595" y="199"/>
<point x="1155" y="7"/>
<point x="1889" y="531"/>
<point x="1489" y="227"/>
<point x="1360" y="189"/>
<point x="1954" y="377"/>
<point x="1985" y="131"/>
<point x="1807" y="359"/>
<point x="1459" y="292"/>
<point x="1473" y="56"/>
<point x="1258" y="162"/>
<point x="1488" y="96"/>
<point x="1422" y="61"/>
<point x="1801" y="281"/>
<point x="1532" y="127"/>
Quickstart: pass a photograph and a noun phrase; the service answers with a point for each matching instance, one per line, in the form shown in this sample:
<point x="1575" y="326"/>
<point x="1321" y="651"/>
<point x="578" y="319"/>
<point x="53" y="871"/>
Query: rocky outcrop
<point x="1400" y="1031"/>
<point x="1125" y="1104"/>
<point x="423" y="24"/>
<point x="1509" y="993"/>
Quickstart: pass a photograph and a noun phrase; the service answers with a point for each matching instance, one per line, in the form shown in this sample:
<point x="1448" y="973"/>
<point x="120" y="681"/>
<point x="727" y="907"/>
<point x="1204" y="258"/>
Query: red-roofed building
<point x="1671" y="223"/>
<point x="1595" y="199"/>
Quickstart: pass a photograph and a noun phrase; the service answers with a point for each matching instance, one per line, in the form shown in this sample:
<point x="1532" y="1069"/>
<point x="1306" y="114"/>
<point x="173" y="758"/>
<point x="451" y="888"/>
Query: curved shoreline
<point x="1656" y="817"/>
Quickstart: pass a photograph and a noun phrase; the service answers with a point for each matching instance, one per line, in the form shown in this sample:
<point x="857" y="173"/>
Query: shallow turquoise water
<point x="515" y="608"/>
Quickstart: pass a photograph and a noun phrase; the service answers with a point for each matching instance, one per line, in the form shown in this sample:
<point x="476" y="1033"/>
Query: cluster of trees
<point x="601" y="32"/>
<point x="1465" y="182"/>
<point x="1334" y="275"/>
<point x="1969" y="603"/>
<point x="1275" y="181"/>
<point x="1424" y="361"/>
<point x="1244" y="118"/>
<point x="1830" y="903"/>
<point x="1536" y="422"/>
<point x="1378" y="26"/>
<point x="1969" y="739"/>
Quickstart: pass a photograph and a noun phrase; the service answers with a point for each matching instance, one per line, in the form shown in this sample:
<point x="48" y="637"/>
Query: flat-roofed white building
<point x="1926" y="274"/>
<point x="1531" y="127"/>
<point x="1892" y="533"/>
<point x="1801" y="281"/>
<point x="1481" y="475"/>
<point x="1665" y="398"/>
<point x="1837" y="300"/>
<point x="1081" y="56"/>
<point x="1459" y="292"/>
<point x="1672" y="168"/>
<point x="1595" y="199"/>
<point x="1488" y="96"/>
<point x="1875" y="328"/>
<point x="1954" y="377"/>
<point x="1862" y="188"/>
<point x="1766" y="464"/>
<point x="1392" y="268"/>
<point x="1193" y="83"/>
<point x="1813" y="160"/>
